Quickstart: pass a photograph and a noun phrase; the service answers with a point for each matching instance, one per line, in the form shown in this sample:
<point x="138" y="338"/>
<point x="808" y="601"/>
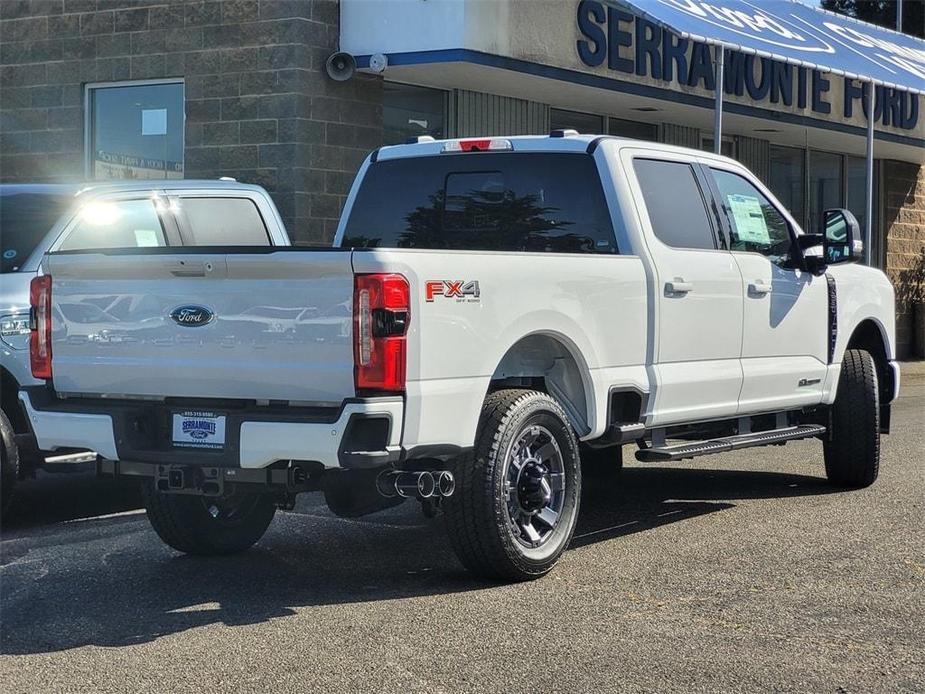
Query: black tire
<point x="601" y="463"/>
<point x="186" y="523"/>
<point x="852" y="446"/>
<point x="9" y="463"/>
<point x="480" y="515"/>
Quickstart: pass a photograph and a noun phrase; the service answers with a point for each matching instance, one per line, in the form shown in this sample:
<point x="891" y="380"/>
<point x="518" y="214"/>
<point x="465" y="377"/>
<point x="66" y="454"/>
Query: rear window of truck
<point x="538" y="202"/>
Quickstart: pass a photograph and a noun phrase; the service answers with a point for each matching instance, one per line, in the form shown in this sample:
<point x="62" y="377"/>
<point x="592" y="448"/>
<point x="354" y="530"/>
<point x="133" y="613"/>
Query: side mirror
<point x="841" y="237"/>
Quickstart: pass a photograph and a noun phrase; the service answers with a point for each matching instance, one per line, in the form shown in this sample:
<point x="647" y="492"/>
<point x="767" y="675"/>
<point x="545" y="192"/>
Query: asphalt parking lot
<point x="737" y="572"/>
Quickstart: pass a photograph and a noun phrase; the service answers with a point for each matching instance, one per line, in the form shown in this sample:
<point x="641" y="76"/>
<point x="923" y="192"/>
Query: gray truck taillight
<point x="40" y="324"/>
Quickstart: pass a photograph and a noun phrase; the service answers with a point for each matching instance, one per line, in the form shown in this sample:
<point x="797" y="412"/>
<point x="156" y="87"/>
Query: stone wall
<point x="258" y="104"/>
<point x="904" y="218"/>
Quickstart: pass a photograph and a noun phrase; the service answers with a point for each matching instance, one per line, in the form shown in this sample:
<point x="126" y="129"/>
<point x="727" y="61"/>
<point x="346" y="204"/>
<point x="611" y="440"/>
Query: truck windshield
<point x="540" y="202"/>
<point x="25" y="218"/>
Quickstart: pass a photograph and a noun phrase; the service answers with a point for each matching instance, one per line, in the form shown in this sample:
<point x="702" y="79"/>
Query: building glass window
<point x="584" y="123"/>
<point x="409" y="111"/>
<point x="856" y="188"/>
<point x="825" y="185"/>
<point x="135" y="130"/>
<point x="632" y="129"/>
<point x="728" y="148"/>
<point x="787" y="178"/>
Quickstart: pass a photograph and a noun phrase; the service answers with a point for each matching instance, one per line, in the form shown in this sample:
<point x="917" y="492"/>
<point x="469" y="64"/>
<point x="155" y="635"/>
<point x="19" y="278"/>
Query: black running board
<point x="694" y="449"/>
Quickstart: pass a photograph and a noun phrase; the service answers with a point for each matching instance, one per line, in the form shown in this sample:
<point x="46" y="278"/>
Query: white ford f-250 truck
<point x="497" y="314"/>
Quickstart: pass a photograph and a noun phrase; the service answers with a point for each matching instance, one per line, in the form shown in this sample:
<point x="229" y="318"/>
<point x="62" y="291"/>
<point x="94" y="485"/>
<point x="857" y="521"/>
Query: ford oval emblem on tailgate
<point x="192" y="316"/>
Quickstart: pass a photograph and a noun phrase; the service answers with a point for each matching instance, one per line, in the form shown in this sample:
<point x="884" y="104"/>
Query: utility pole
<point x="899" y="15"/>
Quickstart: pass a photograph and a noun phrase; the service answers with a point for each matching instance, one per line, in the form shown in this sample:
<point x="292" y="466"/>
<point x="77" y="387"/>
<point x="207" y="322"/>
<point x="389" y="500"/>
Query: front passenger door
<point x="784" y="344"/>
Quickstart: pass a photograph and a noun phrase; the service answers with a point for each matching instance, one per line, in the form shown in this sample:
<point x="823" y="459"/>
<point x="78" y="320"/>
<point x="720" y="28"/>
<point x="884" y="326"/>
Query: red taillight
<point x="40" y="337"/>
<point x="381" y="310"/>
<point x="483" y="144"/>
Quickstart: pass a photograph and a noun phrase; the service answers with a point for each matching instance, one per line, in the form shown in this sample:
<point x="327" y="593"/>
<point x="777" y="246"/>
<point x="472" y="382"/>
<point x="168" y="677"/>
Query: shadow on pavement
<point x="109" y="582"/>
<point x="57" y="497"/>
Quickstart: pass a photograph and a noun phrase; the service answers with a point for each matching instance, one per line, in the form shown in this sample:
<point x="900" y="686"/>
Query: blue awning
<point x="790" y="31"/>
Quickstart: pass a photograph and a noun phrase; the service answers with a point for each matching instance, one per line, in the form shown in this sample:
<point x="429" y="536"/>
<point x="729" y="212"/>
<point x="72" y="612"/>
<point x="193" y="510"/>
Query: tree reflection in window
<point x="536" y="203"/>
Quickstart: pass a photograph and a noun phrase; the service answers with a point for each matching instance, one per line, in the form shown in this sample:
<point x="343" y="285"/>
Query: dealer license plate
<point x="194" y="429"/>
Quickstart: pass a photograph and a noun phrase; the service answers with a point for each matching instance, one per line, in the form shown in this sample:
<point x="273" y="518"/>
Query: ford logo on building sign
<point x="192" y="316"/>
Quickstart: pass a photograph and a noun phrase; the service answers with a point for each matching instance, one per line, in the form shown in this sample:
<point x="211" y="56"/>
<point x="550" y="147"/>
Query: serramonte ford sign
<point x="638" y="50"/>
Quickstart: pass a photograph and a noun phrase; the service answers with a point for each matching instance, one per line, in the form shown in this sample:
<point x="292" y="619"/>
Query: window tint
<point x="675" y="204"/>
<point x="115" y="224"/>
<point x="755" y="224"/>
<point x="223" y="222"/>
<point x="25" y="219"/>
<point x="485" y="201"/>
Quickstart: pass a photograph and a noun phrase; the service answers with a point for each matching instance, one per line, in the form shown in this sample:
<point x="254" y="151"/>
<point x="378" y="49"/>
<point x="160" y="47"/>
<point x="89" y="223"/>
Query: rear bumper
<point x="362" y="433"/>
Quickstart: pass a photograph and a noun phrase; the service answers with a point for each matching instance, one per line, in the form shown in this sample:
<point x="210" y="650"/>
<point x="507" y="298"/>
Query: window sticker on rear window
<point x="750" y="223"/>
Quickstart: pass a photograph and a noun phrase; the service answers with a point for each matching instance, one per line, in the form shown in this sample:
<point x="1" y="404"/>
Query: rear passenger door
<point x="219" y="218"/>
<point x="698" y="290"/>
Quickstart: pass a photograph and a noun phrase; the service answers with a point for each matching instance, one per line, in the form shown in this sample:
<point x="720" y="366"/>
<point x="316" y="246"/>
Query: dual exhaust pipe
<point x="416" y="484"/>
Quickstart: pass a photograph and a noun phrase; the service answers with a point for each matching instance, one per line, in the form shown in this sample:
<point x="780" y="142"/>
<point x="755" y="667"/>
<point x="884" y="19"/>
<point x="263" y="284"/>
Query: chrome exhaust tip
<point x="446" y="483"/>
<point x="415" y="485"/>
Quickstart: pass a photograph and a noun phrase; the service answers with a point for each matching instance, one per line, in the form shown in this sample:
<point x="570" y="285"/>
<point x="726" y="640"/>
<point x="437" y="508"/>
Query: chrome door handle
<point x="678" y="286"/>
<point x="759" y="287"/>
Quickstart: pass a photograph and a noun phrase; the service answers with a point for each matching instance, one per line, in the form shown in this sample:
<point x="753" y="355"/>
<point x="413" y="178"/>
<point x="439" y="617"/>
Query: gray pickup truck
<point x="36" y="219"/>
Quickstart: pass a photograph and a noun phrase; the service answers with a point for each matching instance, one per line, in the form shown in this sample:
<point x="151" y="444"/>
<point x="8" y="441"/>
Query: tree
<point x="883" y="13"/>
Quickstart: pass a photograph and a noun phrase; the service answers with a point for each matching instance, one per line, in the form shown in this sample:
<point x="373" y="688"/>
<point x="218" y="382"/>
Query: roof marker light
<point x="493" y="144"/>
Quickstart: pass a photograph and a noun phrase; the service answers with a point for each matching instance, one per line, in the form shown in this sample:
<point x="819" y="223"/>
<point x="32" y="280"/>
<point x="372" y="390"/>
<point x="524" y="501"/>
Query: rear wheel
<point x="9" y="463"/>
<point x="517" y="494"/>
<point x="852" y="447"/>
<point x="209" y="525"/>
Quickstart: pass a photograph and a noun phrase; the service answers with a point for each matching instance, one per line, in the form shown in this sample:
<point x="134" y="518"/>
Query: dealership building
<point x="243" y="88"/>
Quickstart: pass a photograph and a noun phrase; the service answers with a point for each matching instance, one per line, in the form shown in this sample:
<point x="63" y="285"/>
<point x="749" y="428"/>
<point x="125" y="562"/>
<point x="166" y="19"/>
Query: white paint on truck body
<point x="709" y="351"/>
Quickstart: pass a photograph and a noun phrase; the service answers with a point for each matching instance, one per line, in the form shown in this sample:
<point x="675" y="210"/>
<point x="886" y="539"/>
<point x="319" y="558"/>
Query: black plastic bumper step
<point x="692" y="449"/>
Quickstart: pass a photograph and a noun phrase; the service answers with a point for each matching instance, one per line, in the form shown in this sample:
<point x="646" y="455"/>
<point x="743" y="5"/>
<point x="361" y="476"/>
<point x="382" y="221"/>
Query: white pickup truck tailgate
<point x="265" y="325"/>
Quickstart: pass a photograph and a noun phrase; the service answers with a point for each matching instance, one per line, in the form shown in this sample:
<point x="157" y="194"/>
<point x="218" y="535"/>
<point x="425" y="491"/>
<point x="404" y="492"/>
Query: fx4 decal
<point x="461" y="290"/>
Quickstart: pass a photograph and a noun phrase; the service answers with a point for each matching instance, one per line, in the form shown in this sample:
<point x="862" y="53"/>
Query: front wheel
<point x="517" y="494"/>
<point x="208" y="525"/>
<point x="852" y="446"/>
